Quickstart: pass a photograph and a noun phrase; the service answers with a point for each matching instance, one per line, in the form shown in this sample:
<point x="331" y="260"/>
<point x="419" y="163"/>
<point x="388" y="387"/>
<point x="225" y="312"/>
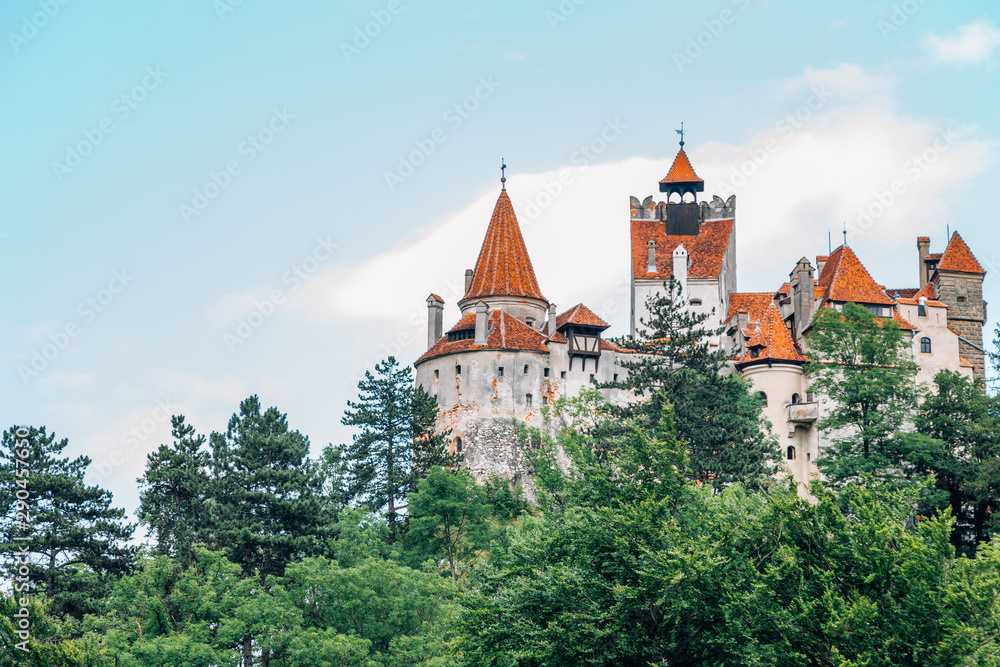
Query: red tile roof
<point x="614" y="347"/>
<point x="958" y="258"/>
<point x="754" y="304"/>
<point x="844" y="278"/>
<point x="681" y="170"/>
<point x="435" y="297"/>
<point x="900" y="322"/>
<point x="506" y="332"/>
<point x="923" y="239"/>
<point x="504" y="267"/>
<point x="580" y="314"/>
<point x="773" y="340"/>
<point x="927" y="292"/>
<point x="706" y="250"/>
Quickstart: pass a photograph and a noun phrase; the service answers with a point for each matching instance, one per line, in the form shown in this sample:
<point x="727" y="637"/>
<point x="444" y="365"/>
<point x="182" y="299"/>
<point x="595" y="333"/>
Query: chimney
<point x="468" y="280"/>
<point x="820" y="263"/>
<point x="482" y="323"/>
<point x="681" y="269"/>
<point x="651" y="257"/>
<point x="435" y="319"/>
<point x="803" y="295"/>
<point x="552" y="319"/>
<point x="923" y="249"/>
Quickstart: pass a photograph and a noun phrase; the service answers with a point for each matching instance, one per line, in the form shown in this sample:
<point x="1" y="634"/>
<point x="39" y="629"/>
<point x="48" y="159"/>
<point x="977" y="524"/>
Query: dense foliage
<point x="643" y="545"/>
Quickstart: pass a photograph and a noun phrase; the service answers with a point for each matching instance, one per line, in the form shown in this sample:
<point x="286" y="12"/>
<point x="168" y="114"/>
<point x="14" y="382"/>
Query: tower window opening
<point x="921" y="310"/>
<point x="526" y="369"/>
<point x="763" y="399"/>
<point x="437" y="374"/>
<point x="615" y="378"/>
<point x="458" y="369"/>
<point x="562" y="375"/>
<point x="695" y="302"/>
<point x="592" y="378"/>
<point x="458" y="445"/>
<point x="500" y="371"/>
<point x="545" y="400"/>
<point x="795" y="399"/>
<point x="790" y="454"/>
<point x="961" y="299"/>
<point x="530" y="321"/>
<point x="925" y="345"/>
<point x="545" y="372"/>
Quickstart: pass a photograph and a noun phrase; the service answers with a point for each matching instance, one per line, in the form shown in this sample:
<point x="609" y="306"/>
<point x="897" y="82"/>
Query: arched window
<point x="763" y="399"/>
<point x="925" y="345"/>
<point x="790" y="453"/>
<point x="458" y="445"/>
<point x="795" y="399"/>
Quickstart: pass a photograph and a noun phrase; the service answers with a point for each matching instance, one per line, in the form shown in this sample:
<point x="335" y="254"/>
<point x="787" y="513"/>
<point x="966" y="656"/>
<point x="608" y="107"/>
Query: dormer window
<point x="530" y="321"/>
<point x="467" y="334"/>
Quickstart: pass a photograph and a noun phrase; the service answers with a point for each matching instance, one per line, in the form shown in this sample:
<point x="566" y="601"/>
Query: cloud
<point x="975" y="43"/>
<point x="794" y="181"/>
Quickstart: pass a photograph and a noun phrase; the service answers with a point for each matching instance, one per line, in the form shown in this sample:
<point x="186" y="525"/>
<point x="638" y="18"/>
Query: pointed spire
<point x="504" y="267"/>
<point x="681" y="177"/>
<point x="958" y="258"/>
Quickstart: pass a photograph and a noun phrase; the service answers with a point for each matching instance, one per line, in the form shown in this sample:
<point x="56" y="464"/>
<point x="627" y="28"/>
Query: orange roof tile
<point x="844" y="278"/>
<point x="681" y="170"/>
<point x="503" y="267"/>
<point x="580" y="314"/>
<point x="772" y="340"/>
<point x="927" y="292"/>
<point x="900" y="322"/>
<point x="614" y="347"/>
<point x="706" y="250"/>
<point x="506" y="332"/>
<point x="958" y="258"/>
<point x="435" y="297"/>
<point x="754" y="304"/>
<point x="923" y="239"/>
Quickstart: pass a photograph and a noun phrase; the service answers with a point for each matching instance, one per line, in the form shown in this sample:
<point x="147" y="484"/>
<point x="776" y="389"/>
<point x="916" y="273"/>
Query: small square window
<point x="562" y="375"/>
<point x="961" y="299"/>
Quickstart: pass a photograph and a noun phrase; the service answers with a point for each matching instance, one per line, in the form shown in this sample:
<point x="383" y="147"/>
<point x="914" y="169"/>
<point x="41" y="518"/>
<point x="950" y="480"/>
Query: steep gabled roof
<point x="772" y="340"/>
<point x="844" y="278"/>
<point x="681" y="170"/>
<point x="754" y="304"/>
<point x="580" y="314"/>
<point x="503" y="267"/>
<point x="706" y="251"/>
<point x="958" y="258"/>
<point x="506" y="332"/>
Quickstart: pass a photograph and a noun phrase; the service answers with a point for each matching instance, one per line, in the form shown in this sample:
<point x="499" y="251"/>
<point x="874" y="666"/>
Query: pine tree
<point x="78" y="542"/>
<point x="714" y="412"/>
<point x="266" y="500"/>
<point x="174" y="493"/>
<point x="396" y="444"/>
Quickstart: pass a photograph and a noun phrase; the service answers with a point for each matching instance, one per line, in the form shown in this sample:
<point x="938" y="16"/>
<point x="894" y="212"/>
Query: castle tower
<point x="704" y="231"/>
<point x="509" y="356"/>
<point x="504" y="278"/>
<point x="958" y="280"/>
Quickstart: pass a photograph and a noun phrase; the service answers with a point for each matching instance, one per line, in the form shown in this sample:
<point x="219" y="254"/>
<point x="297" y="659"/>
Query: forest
<point x="672" y="536"/>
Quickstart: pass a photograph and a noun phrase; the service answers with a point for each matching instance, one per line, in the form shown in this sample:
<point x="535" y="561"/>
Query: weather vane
<point x="503" y="177"/>
<point x="845" y="233"/>
<point x="681" y="132"/>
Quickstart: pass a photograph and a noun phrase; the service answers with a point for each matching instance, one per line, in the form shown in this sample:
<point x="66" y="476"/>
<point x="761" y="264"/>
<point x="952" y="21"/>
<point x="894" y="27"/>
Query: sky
<point x="204" y="200"/>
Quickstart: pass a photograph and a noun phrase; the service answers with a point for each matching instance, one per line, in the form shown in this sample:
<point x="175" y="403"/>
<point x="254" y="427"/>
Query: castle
<point x="511" y="353"/>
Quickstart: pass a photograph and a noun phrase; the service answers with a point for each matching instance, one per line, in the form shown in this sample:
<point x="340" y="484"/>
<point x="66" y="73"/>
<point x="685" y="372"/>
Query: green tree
<point x="863" y="365"/>
<point x="174" y="493"/>
<point x="396" y="444"/>
<point x="965" y="425"/>
<point x="718" y="415"/>
<point x="79" y="542"/>
<point x="267" y="493"/>
<point x="448" y="517"/>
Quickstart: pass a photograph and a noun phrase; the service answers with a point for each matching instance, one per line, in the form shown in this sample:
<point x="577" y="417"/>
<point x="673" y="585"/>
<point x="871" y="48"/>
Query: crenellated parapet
<point x="717" y="209"/>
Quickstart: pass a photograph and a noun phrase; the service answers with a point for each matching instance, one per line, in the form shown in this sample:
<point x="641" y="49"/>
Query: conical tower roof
<point x="504" y="267"/>
<point x="681" y="171"/>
